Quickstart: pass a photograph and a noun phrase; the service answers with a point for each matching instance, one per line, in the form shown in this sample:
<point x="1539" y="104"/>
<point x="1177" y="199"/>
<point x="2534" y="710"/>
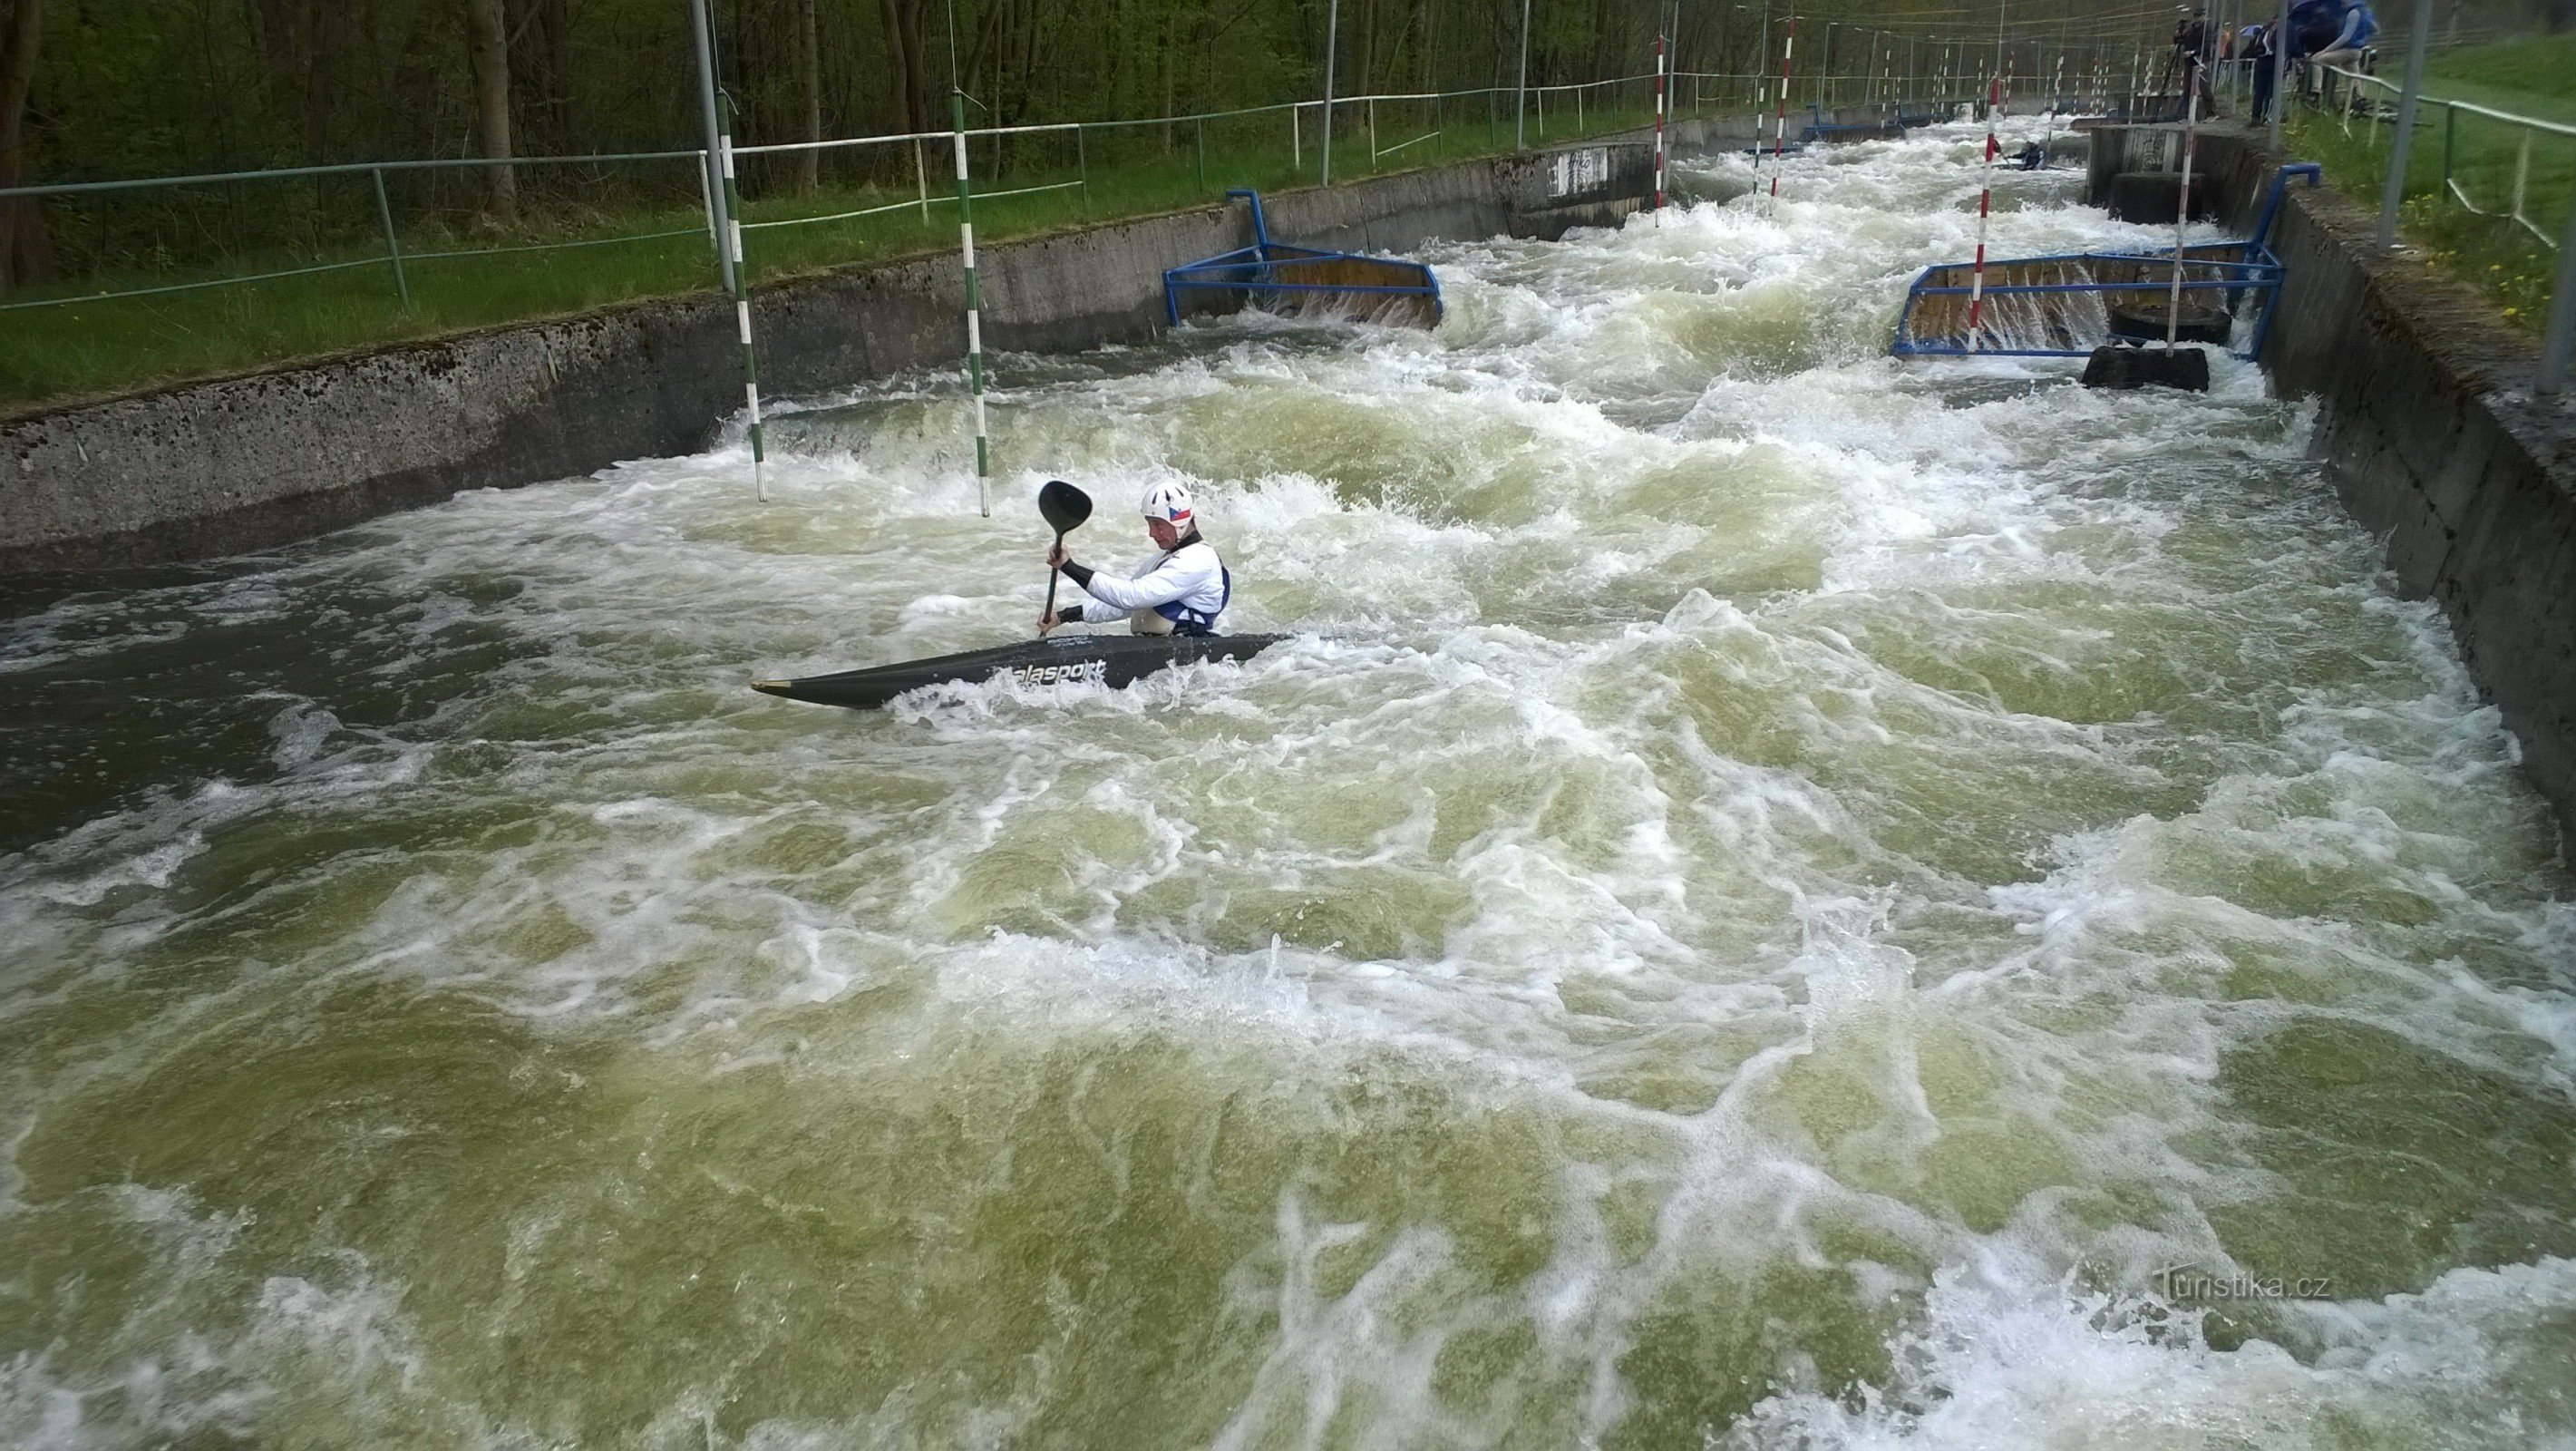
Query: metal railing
<point x="397" y="257"/>
<point x="393" y="256"/>
<point x="1560" y="111"/>
<point x="2371" y="103"/>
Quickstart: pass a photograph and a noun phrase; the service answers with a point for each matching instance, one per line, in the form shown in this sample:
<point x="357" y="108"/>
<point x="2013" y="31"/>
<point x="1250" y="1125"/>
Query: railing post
<point x="393" y="244"/>
<point x="2395" y="189"/>
<point x="2450" y="135"/>
<point x="921" y="177"/>
<point x="1081" y="172"/>
<point x="2522" y="175"/>
<point x="1199" y="129"/>
<point x="707" y="201"/>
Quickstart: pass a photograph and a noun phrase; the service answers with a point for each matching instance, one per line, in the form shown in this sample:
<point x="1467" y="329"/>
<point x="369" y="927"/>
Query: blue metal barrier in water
<point x="2064" y="306"/>
<point x="1285" y="278"/>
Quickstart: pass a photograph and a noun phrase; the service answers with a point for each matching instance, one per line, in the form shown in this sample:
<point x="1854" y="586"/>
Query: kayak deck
<point x="1112" y="660"/>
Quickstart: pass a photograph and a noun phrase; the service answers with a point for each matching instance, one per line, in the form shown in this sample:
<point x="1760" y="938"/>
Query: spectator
<point x="2194" y="47"/>
<point x="2329" y="33"/>
<point x="2254" y="47"/>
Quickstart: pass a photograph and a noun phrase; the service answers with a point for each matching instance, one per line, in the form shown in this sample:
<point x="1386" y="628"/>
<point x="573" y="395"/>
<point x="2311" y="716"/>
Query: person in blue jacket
<point x="2330" y="33"/>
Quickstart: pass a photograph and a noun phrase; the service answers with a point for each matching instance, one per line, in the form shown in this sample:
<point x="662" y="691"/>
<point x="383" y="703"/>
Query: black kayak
<point x="1111" y="660"/>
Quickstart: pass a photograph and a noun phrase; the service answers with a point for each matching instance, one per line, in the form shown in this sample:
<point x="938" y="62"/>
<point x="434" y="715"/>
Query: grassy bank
<point x="100" y="347"/>
<point x="2485" y="159"/>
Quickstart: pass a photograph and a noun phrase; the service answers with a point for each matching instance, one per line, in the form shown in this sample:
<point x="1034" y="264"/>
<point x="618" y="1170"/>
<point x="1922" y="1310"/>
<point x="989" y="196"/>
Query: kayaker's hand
<point x="1057" y="556"/>
<point x="1047" y="622"/>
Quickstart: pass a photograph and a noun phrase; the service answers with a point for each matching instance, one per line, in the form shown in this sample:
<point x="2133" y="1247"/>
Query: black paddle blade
<point x="1064" y="506"/>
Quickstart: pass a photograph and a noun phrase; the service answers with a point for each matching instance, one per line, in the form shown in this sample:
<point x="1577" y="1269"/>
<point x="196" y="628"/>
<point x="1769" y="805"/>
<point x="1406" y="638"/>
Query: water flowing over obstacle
<point x="2073" y="305"/>
<point x="1295" y="281"/>
<point x="2114" y="366"/>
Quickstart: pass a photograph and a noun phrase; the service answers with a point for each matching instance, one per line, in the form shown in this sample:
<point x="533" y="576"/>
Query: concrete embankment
<point x="2435" y="439"/>
<point x="241" y="463"/>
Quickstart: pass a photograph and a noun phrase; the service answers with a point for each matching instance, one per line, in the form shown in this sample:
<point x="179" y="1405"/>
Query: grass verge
<point x="96" y="346"/>
<point x="2463" y="164"/>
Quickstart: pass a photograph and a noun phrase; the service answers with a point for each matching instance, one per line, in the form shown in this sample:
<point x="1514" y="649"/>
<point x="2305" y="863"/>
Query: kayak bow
<point x="1112" y="660"/>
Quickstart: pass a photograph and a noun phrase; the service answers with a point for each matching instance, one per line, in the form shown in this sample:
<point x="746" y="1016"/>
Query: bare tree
<point x="487" y="46"/>
<point x="26" y="254"/>
<point x="903" y="28"/>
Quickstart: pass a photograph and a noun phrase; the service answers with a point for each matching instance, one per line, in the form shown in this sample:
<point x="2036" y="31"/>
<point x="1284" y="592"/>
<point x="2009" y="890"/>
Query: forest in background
<point x="94" y="89"/>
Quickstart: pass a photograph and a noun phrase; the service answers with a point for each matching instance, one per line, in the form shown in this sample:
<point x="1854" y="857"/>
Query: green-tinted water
<point x="1781" y="897"/>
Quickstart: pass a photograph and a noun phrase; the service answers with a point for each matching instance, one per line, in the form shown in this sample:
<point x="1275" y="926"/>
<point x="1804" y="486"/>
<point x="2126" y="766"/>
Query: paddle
<point x="1065" y="507"/>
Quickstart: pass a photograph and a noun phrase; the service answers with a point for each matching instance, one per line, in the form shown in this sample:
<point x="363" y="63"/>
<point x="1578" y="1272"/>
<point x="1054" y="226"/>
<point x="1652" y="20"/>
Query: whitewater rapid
<point x="1779" y="898"/>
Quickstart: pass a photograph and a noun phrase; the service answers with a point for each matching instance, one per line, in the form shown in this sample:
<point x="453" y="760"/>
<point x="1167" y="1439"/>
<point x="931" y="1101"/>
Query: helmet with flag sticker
<point x="1169" y="503"/>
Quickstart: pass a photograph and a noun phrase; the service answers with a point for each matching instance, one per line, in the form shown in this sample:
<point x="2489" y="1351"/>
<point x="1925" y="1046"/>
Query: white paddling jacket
<point x="1180" y="592"/>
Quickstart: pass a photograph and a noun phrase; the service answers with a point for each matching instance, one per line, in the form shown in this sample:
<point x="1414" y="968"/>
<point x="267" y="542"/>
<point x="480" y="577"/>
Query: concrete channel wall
<point x="2434" y="438"/>
<point x="242" y="463"/>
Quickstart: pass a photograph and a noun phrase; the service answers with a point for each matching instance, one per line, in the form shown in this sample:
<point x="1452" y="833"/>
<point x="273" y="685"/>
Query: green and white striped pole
<point x="741" y="294"/>
<point x="974" y="308"/>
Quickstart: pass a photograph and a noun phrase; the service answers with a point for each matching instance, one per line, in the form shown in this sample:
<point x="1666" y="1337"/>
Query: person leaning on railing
<point x="2329" y="33"/>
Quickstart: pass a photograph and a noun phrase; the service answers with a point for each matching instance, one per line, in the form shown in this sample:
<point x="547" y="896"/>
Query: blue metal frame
<point x="1254" y="269"/>
<point x="2254" y="269"/>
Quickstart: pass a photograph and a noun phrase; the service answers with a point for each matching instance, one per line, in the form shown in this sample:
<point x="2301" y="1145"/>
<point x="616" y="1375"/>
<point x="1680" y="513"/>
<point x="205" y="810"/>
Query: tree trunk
<point x="809" y="164"/>
<point x="26" y="254"/>
<point x="488" y="48"/>
<point x="903" y="32"/>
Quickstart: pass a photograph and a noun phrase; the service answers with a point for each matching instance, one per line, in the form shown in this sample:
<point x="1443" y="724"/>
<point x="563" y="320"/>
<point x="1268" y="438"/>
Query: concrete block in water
<point x="2150" y="197"/>
<point x="2113" y="366"/>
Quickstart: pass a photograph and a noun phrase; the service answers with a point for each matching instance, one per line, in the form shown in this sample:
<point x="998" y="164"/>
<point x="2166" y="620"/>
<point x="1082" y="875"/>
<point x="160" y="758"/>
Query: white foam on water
<point x="1874" y="827"/>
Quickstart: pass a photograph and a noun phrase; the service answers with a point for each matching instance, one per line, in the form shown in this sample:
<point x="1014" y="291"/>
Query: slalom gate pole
<point x="2182" y="198"/>
<point x="1660" y="70"/>
<point x="1985" y="208"/>
<point x="974" y="307"/>
<point x="1780" y="118"/>
<point x="741" y="296"/>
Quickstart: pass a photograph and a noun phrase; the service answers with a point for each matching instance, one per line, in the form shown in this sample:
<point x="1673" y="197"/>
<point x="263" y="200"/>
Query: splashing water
<point x="1778" y="897"/>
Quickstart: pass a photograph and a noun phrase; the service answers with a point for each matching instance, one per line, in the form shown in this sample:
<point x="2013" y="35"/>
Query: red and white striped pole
<point x="1985" y="208"/>
<point x="2182" y="199"/>
<point x="1780" y="119"/>
<point x="1661" y="70"/>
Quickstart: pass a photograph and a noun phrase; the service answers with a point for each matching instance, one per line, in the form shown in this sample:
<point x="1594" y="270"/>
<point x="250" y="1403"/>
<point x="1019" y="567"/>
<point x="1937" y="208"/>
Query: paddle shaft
<point x="1053" y="574"/>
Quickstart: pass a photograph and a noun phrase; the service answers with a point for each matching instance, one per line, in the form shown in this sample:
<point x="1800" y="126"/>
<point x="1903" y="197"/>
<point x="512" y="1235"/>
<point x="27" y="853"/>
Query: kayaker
<point x="1180" y="589"/>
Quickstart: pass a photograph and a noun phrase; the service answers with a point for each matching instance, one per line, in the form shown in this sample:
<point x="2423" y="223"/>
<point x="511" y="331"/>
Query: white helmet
<point x="1169" y="503"/>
